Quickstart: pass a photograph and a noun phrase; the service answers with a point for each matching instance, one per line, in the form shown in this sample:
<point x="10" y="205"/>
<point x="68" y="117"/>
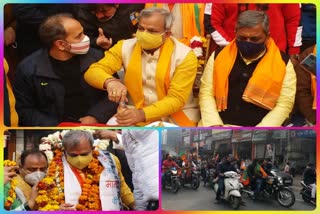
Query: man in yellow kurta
<point x="159" y="72"/>
<point x="249" y="82"/>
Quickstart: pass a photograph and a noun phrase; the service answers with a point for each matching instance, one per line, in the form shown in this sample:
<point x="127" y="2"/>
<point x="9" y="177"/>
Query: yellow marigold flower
<point x="9" y="163"/>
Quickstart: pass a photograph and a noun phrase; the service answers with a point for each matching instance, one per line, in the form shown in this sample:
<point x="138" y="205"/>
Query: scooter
<point x="232" y="188"/>
<point x="306" y="193"/>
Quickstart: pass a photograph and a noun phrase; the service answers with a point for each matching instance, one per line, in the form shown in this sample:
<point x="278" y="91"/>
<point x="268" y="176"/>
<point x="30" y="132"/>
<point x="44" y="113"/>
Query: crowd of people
<point x="87" y="63"/>
<point x="253" y="173"/>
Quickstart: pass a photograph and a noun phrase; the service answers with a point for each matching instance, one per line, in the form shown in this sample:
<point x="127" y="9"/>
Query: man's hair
<point x="93" y="7"/>
<point x="310" y="165"/>
<point x="52" y="28"/>
<point x="251" y="18"/>
<point x="35" y="152"/>
<point x="168" y="17"/>
<point x="72" y="138"/>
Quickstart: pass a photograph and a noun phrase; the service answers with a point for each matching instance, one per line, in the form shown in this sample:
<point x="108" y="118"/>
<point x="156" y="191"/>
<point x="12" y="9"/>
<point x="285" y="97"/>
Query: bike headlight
<point x="280" y="180"/>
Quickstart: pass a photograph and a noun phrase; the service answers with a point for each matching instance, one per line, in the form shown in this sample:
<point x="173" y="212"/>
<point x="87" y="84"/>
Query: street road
<point x="203" y="199"/>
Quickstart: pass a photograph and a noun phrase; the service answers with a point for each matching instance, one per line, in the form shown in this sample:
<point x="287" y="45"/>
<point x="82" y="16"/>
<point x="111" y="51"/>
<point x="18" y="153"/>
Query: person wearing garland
<point x="20" y="190"/>
<point x="82" y="178"/>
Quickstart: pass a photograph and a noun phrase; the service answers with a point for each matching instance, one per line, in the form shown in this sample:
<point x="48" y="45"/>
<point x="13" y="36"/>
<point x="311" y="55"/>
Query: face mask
<point x="149" y="41"/>
<point x="34" y="177"/>
<point x="80" y="47"/>
<point x="79" y="161"/>
<point x="250" y="49"/>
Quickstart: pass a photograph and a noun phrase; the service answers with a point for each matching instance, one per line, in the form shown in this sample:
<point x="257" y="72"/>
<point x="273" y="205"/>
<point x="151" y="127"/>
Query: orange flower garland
<point x="11" y="193"/>
<point x="51" y="188"/>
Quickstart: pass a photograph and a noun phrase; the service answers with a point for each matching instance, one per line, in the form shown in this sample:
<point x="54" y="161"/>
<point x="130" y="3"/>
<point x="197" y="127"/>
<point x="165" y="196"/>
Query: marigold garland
<point x="51" y="188"/>
<point x="13" y="183"/>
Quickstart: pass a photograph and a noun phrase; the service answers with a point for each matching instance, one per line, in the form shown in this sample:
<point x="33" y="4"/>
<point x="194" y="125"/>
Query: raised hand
<point x="102" y="41"/>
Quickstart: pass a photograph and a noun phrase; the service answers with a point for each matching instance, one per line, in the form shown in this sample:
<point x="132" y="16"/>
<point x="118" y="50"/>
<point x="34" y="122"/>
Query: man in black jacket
<point x="106" y="24"/>
<point x="223" y="167"/>
<point x="49" y="85"/>
<point x="309" y="178"/>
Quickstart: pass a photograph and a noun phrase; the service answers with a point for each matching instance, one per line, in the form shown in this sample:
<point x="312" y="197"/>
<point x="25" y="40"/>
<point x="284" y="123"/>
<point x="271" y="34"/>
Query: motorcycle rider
<point x="223" y="167"/>
<point x="267" y="166"/>
<point x="256" y="174"/>
<point x="210" y="165"/>
<point x="309" y="178"/>
<point x="167" y="164"/>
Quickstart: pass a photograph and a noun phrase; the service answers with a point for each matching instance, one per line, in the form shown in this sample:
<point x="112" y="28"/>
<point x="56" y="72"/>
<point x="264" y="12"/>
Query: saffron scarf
<point x="133" y="79"/>
<point x="13" y="113"/>
<point x="314" y="86"/>
<point x="25" y="188"/>
<point x="109" y="191"/>
<point x="263" y="88"/>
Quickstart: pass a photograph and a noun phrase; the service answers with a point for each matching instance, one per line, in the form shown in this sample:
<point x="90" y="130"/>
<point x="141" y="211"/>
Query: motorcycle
<point x="210" y="177"/>
<point x="232" y="187"/>
<point x="171" y="180"/>
<point x="193" y="179"/>
<point x="306" y="193"/>
<point x="274" y="187"/>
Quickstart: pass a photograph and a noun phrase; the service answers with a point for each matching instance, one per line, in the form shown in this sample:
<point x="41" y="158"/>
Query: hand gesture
<point x="88" y="120"/>
<point x="102" y="41"/>
<point x="9" y="173"/>
<point x="106" y="134"/>
<point x="117" y="91"/>
<point x="67" y="206"/>
<point x="129" y="117"/>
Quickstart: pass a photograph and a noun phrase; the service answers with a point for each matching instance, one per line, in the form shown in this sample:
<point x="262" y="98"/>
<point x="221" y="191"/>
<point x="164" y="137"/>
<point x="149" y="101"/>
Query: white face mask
<point x="34" y="177"/>
<point x="80" y="47"/>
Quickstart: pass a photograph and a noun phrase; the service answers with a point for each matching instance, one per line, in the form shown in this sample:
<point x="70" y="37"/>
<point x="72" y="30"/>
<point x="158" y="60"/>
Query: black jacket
<point x="40" y="93"/>
<point x="29" y="17"/>
<point x="122" y="25"/>
<point x="309" y="176"/>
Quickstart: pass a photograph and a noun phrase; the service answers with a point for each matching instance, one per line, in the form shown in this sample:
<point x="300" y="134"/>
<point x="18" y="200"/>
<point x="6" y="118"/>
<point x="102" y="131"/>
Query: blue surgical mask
<point x="250" y="49"/>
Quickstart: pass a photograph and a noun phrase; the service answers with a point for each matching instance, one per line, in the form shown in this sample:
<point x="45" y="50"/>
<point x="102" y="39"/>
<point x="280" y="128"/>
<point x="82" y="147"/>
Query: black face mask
<point x="250" y="49"/>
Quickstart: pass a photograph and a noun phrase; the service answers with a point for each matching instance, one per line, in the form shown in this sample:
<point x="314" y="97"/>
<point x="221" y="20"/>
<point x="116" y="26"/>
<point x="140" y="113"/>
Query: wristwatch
<point x="26" y="206"/>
